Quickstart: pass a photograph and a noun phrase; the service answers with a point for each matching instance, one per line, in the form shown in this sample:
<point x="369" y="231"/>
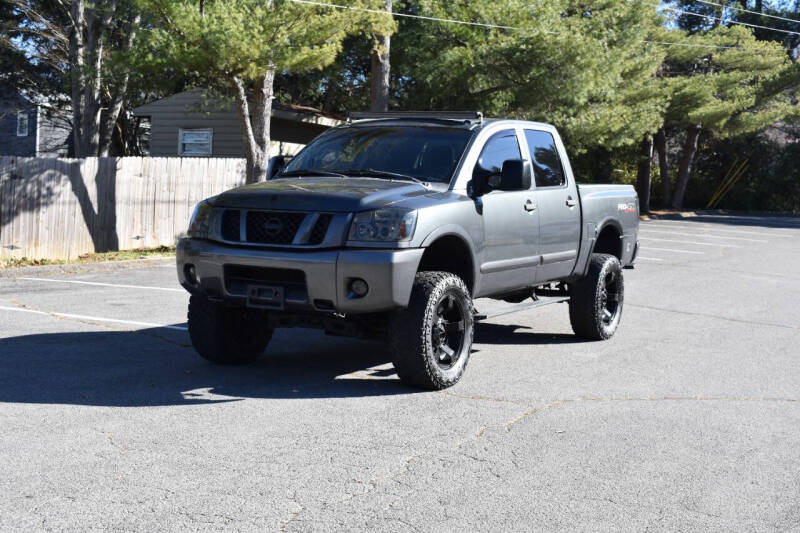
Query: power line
<point x="698" y="45"/>
<point x="709" y="17"/>
<point x="407" y="15"/>
<point x="502" y="27"/>
<point x="743" y="10"/>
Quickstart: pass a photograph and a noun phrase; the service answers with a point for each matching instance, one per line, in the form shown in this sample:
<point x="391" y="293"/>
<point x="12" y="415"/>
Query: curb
<point x="734" y="213"/>
<point x="77" y="268"/>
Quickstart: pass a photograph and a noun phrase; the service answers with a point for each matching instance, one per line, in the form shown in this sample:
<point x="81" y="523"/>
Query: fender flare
<point x="607" y="221"/>
<point x="454" y="230"/>
<point x="582" y="266"/>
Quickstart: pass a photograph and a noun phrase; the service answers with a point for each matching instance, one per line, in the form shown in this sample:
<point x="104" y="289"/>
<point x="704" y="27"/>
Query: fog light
<point x="358" y="288"/>
<point x="191" y="274"/>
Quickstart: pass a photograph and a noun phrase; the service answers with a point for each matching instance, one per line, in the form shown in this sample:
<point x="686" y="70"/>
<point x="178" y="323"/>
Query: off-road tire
<point x="227" y="335"/>
<point x="414" y="331"/>
<point x="588" y="309"/>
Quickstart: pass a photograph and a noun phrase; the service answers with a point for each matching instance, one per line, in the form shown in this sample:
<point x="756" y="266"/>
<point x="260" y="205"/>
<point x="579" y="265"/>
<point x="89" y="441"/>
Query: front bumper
<point x="322" y="286"/>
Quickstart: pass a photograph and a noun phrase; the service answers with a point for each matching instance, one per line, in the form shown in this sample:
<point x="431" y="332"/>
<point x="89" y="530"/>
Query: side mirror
<point x="275" y="165"/>
<point x="515" y="176"/>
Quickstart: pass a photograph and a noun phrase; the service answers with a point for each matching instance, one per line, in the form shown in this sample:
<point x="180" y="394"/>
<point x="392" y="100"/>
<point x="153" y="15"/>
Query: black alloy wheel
<point x="431" y="339"/>
<point x="596" y="300"/>
<point x="610" y="297"/>
<point x="448" y="331"/>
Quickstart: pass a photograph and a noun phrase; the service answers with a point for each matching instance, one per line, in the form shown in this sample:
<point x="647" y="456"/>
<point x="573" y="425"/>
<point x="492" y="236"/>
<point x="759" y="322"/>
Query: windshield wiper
<point x="382" y="174"/>
<point x="309" y="172"/>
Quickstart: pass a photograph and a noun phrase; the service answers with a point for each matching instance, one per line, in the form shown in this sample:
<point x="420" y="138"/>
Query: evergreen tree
<point x="584" y="69"/>
<point x="724" y="91"/>
<point x="240" y="46"/>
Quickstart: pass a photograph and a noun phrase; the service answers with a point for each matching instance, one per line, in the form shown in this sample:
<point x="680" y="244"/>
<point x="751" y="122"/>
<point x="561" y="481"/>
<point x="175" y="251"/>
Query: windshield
<point x="422" y="152"/>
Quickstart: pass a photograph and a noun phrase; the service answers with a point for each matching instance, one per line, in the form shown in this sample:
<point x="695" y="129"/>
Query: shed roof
<point x="195" y="96"/>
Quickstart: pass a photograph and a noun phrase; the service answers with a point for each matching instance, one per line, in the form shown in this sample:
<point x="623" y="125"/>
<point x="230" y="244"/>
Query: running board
<point x="543" y="301"/>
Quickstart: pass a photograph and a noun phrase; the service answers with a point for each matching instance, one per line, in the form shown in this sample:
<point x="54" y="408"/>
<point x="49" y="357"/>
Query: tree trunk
<point x="685" y="167"/>
<point x="96" y="102"/>
<point x="94" y="52"/>
<point x="380" y="68"/>
<point x="116" y="95"/>
<point x="643" y="173"/>
<point x="76" y="46"/>
<point x="660" y="141"/>
<point x="256" y="127"/>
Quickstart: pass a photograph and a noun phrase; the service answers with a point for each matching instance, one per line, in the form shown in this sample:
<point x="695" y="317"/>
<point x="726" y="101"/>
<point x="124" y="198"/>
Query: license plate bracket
<point x="265" y="297"/>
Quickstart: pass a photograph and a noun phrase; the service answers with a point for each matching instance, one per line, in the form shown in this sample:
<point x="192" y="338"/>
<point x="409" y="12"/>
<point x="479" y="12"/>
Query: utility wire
<point x="743" y="10"/>
<point x="497" y="26"/>
<point x="698" y="45"/>
<point x="721" y="19"/>
<point x="407" y="15"/>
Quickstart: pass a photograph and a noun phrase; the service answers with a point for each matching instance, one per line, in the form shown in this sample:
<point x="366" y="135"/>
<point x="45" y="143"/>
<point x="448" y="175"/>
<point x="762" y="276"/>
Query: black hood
<point x="321" y="194"/>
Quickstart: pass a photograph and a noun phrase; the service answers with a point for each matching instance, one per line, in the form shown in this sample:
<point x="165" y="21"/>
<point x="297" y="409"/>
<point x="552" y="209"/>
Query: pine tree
<point x="239" y="46"/>
<point x="584" y="69"/>
<point x="724" y="91"/>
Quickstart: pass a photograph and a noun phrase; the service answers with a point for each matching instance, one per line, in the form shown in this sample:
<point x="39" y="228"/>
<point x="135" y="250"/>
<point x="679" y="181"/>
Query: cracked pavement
<point x="688" y="419"/>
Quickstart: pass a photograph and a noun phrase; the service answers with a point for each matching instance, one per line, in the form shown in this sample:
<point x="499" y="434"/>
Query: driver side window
<point x="500" y="147"/>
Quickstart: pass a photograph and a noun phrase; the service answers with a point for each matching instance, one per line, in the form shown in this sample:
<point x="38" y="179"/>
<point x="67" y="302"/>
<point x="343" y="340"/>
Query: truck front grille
<point x="281" y="228"/>
<point x="272" y="227"/>
<point x="320" y="229"/>
<point x="231" y="225"/>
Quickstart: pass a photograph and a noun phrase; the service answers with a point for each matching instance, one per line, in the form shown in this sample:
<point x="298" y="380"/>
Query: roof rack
<point x="461" y="116"/>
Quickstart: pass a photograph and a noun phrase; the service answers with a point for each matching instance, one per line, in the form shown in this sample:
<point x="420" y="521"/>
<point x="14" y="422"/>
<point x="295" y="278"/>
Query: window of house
<point x="547" y="168"/>
<point x="22" y="124"/>
<point x="194" y="142"/>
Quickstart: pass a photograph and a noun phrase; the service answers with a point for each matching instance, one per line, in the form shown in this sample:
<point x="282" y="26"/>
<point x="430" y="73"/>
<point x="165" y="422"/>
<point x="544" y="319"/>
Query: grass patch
<point x="122" y="255"/>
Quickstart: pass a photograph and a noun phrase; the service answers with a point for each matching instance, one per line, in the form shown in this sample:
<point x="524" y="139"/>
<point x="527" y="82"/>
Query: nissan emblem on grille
<point x="273" y="226"/>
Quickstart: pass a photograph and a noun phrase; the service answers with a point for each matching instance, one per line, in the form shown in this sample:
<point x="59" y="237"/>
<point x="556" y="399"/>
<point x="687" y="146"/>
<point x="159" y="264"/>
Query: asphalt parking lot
<point x="688" y="419"/>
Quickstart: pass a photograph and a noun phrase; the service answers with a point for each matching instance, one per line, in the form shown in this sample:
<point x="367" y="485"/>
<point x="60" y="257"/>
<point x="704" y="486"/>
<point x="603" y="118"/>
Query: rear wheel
<point x="431" y="340"/>
<point x="595" y="305"/>
<point x="227" y="335"/>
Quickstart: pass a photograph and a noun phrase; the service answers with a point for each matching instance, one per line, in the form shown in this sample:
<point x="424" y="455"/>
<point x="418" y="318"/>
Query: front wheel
<point x="431" y="340"/>
<point x="227" y="335"/>
<point x="595" y="305"/>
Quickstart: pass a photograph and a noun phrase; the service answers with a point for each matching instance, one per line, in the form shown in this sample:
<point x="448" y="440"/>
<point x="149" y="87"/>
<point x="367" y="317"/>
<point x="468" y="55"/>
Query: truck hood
<point x="321" y="194"/>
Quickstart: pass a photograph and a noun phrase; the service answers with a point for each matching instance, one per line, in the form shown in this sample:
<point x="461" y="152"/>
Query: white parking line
<point x="638" y="257"/>
<point x="676" y="251"/>
<point x="692" y="242"/>
<point x="93" y="318"/>
<point x="116" y="285"/>
<point x="703" y="235"/>
<point x="714" y="227"/>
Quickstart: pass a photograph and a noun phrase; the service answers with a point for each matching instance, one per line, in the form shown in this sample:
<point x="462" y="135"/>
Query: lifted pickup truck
<point x="390" y="226"/>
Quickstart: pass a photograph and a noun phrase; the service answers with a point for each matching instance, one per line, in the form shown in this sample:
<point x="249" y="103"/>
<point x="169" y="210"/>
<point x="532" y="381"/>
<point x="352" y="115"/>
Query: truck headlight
<point x="383" y="225"/>
<point x="200" y="223"/>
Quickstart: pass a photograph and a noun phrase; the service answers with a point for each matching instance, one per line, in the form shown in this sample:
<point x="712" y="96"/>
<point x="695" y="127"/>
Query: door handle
<point x="571" y="202"/>
<point x="530" y="206"/>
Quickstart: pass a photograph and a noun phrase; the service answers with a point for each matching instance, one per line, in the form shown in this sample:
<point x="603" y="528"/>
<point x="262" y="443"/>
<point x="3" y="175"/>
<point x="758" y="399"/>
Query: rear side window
<point x="500" y="147"/>
<point x="547" y="168"/>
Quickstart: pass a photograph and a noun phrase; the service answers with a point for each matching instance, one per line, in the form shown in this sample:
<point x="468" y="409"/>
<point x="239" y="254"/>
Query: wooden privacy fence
<point x="64" y="208"/>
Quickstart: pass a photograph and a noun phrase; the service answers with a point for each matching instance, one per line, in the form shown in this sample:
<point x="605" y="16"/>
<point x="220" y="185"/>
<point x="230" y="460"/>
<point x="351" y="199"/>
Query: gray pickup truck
<point x="390" y="226"/>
